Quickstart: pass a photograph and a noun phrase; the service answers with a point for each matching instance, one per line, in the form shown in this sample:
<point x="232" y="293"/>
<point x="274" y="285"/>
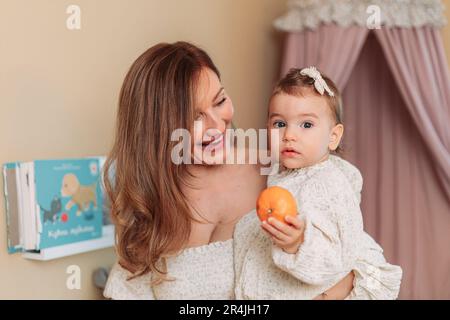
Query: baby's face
<point x="307" y="129"/>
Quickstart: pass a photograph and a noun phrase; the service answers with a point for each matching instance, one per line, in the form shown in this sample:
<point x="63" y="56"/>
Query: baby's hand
<point x="288" y="236"/>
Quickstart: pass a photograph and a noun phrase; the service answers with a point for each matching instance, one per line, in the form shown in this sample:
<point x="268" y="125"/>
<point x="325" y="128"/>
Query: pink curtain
<point x="395" y="113"/>
<point x="417" y="59"/>
<point x="403" y="203"/>
<point x="333" y="49"/>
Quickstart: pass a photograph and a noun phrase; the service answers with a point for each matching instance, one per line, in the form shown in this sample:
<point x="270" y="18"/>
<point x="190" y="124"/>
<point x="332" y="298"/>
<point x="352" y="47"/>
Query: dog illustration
<point x="82" y="196"/>
<point x="55" y="208"/>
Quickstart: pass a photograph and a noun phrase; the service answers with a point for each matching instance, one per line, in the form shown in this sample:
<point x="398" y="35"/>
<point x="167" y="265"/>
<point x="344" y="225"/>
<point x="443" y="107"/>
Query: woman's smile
<point x="216" y="143"/>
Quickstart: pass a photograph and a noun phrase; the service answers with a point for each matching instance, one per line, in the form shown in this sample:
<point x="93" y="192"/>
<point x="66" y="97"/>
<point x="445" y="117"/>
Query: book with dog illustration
<point x="51" y="203"/>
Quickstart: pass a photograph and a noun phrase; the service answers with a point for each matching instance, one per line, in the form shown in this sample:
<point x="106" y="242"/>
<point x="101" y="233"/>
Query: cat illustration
<point x="55" y="208"/>
<point x="81" y="196"/>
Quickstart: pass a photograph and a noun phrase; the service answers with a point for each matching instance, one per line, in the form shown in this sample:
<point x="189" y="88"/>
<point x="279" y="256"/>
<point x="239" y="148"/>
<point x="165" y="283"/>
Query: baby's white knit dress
<point x="328" y="196"/>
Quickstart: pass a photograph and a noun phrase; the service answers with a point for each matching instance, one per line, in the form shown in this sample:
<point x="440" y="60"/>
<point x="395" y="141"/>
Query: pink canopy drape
<point x="334" y="50"/>
<point x="417" y="59"/>
<point x="396" y="88"/>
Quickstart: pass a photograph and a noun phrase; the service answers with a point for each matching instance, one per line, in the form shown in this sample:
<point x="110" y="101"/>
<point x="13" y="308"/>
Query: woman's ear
<point x="335" y="137"/>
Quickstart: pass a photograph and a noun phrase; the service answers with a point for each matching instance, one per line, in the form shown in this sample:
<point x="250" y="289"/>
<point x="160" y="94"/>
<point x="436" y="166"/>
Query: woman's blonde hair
<point x="148" y="207"/>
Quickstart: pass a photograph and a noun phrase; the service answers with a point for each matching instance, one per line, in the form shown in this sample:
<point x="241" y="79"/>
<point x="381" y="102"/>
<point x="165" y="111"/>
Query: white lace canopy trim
<point x="309" y="14"/>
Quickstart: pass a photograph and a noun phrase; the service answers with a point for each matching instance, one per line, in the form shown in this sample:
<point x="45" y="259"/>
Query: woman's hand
<point x="288" y="236"/>
<point x="340" y="290"/>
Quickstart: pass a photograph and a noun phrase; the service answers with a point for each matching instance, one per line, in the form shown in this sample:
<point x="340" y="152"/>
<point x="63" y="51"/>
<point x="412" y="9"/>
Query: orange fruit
<point x="275" y="202"/>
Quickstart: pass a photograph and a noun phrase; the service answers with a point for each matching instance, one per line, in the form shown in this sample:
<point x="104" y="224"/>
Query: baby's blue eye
<point x="306" y="125"/>
<point x="279" y="124"/>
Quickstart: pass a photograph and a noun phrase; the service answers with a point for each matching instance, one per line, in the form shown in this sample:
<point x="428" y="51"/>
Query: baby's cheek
<point x="274" y="141"/>
<point x="319" y="141"/>
<point x="312" y="150"/>
<point x="320" y="149"/>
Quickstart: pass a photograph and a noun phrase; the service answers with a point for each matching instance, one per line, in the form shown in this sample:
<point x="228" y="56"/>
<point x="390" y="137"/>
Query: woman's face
<point x="214" y="112"/>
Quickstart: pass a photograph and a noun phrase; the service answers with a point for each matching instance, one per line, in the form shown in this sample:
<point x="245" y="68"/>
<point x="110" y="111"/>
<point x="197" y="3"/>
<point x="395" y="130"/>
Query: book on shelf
<point x="56" y="204"/>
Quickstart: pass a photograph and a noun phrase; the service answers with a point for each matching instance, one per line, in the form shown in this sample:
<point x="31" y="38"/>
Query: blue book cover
<point x="69" y="198"/>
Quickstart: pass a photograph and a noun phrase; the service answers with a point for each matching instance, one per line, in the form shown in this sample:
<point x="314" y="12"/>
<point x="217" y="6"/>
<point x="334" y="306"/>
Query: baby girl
<point x="310" y="253"/>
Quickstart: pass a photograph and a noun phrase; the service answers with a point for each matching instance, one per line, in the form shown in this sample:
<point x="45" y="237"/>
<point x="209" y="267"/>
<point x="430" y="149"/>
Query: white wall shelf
<point x="106" y="241"/>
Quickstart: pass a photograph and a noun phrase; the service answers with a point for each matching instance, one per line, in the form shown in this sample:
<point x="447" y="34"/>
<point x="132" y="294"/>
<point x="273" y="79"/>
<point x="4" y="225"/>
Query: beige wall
<point x="58" y="89"/>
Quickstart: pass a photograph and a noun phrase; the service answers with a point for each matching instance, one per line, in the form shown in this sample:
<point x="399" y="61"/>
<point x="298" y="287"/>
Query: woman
<point x="174" y="222"/>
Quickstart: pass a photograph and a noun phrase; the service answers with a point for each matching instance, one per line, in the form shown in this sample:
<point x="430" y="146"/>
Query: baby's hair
<point x="296" y="84"/>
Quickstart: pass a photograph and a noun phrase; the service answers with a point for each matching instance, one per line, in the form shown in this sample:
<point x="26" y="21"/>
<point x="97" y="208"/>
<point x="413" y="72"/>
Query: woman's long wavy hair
<point x="148" y="207"/>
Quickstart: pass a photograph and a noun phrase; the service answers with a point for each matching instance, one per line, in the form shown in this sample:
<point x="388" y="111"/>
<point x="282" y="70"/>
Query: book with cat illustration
<point x="51" y="203"/>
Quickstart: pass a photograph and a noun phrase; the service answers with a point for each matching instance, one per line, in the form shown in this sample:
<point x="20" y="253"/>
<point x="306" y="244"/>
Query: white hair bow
<point x="319" y="82"/>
